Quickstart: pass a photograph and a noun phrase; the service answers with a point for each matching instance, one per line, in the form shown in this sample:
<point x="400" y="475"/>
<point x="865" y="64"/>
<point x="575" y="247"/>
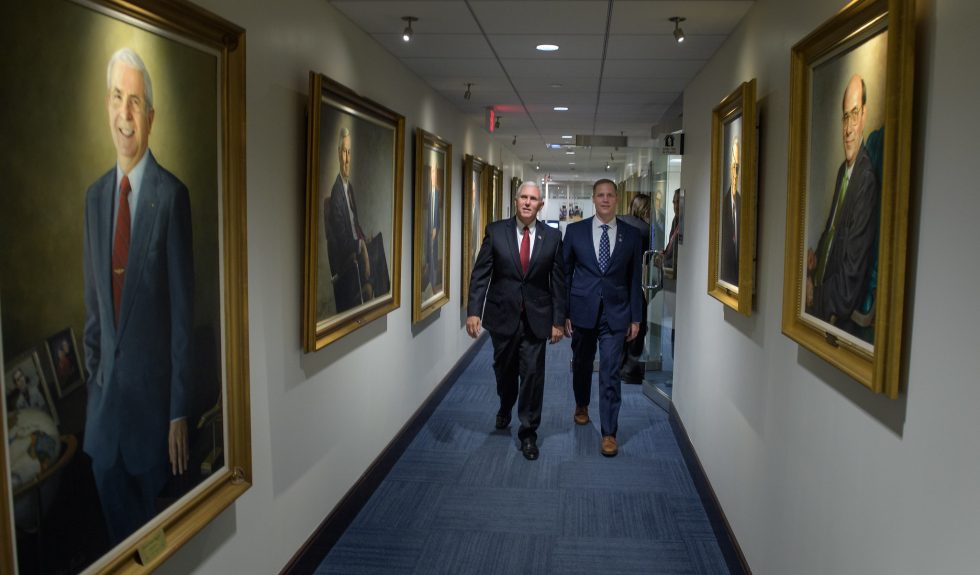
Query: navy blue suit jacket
<point x="139" y="373"/>
<point x="497" y="278"/>
<point x="618" y="288"/>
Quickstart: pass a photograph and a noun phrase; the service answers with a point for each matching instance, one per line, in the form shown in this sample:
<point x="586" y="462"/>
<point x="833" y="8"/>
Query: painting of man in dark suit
<point x="139" y="286"/>
<point x="731" y="202"/>
<point x="838" y="271"/>
<point x="433" y="236"/>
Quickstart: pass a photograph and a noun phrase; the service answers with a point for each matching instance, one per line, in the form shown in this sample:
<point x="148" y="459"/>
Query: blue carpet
<point x="463" y="500"/>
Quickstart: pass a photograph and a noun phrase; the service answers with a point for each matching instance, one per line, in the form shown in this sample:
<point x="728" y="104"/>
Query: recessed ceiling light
<point x="560" y="108"/>
<point x="569" y="153"/>
<point x="571" y="163"/>
<point x="556" y="85"/>
<point x="567" y="137"/>
<point x="547" y="47"/>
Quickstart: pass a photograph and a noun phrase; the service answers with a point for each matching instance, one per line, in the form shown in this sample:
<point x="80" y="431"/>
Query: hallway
<point x="463" y="500"/>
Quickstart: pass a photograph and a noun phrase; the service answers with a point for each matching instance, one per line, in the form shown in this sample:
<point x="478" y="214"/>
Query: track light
<point x="537" y="166"/>
<point x="514" y="142"/>
<point x="678" y="31"/>
<point x="467" y="94"/>
<point x="496" y="123"/>
<point x="407" y="33"/>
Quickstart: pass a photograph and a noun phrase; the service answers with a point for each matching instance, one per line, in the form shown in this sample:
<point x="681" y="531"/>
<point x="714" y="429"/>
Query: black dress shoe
<point x="529" y="448"/>
<point x="503" y="420"/>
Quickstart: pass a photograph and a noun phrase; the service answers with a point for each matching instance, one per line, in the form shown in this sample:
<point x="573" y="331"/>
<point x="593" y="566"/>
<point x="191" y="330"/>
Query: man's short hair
<point x="130" y="58"/>
<point x="529" y="184"/>
<point x="344" y="133"/>
<point x="598" y="183"/>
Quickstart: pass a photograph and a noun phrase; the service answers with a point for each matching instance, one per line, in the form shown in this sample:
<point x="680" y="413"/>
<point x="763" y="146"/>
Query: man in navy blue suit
<point x="602" y="268"/>
<point x="139" y="289"/>
<point x="518" y="289"/>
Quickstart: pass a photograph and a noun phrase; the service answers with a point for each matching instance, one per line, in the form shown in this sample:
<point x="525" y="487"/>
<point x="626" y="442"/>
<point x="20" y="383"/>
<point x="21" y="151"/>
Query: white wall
<point x="319" y="420"/>
<point x="816" y="474"/>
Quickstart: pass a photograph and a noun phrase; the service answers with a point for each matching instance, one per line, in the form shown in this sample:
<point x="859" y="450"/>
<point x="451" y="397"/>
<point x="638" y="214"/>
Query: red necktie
<point x="120" y="246"/>
<point x="525" y="251"/>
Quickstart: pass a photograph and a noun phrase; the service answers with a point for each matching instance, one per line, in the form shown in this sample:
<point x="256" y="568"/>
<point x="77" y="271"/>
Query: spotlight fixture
<point x="609" y="163"/>
<point x="407" y="33"/>
<point x="678" y="31"/>
<point x="514" y="142"/>
<point x="467" y="94"/>
<point x="496" y="123"/>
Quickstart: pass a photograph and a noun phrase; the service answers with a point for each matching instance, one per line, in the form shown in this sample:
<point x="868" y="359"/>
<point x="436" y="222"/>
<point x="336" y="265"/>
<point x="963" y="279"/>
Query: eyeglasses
<point x="851" y="118"/>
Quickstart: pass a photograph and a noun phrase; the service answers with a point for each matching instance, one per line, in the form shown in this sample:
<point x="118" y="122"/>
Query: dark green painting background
<point x="55" y="142"/>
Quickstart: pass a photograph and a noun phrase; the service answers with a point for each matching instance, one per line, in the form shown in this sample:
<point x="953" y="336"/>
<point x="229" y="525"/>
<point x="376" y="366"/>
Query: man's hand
<point x="473" y="326"/>
<point x="811" y="261"/>
<point x="633" y="331"/>
<point x="363" y="260"/>
<point x="178" y="446"/>
<point x="556" y="333"/>
<point x="568" y="328"/>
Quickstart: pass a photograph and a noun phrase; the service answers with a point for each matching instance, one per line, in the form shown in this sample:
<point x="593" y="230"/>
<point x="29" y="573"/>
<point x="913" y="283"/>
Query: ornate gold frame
<point x="425" y="141"/>
<point x="317" y="336"/>
<point x="879" y="370"/>
<point x="739" y="104"/>
<point x="471" y="166"/>
<point x="183" y="519"/>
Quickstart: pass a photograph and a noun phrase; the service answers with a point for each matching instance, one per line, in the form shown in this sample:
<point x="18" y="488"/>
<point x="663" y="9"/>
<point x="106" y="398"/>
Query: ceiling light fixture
<point x="407" y="33"/>
<point x="678" y="31"/>
<point x="567" y="137"/>
<point x="496" y="123"/>
<point x="514" y="143"/>
<point x="547" y="47"/>
<point x="557" y="85"/>
<point x="467" y="94"/>
<point x="560" y="108"/>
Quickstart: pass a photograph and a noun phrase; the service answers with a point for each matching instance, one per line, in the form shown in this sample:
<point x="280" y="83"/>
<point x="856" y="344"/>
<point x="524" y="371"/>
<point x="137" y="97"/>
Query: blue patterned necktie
<point x="604" y="248"/>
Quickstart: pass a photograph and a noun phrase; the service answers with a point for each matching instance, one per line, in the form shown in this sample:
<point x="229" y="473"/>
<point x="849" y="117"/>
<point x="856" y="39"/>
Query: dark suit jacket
<point x="140" y="372"/>
<point x="342" y="246"/>
<point x="618" y="289"/>
<point x="497" y="278"/>
<point x="728" y="241"/>
<point x="846" y="274"/>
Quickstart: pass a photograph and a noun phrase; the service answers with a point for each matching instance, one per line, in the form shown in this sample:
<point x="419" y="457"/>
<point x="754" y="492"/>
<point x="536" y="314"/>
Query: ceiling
<point x="618" y="68"/>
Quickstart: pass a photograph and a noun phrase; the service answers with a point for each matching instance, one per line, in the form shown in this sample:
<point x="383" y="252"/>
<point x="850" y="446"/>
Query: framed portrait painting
<point x="731" y="230"/>
<point x="24" y="386"/>
<point x="66" y="363"/>
<point x="135" y="240"/>
<point x="847" y="208"/>
<point x="476" y="214"/>
<point x="430" y="261"/>
<point x="355" y="164"/>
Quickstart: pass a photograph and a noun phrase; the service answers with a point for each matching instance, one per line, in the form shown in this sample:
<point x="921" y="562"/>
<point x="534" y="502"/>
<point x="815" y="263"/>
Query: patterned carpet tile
<point x="493" y="467"/>
<point x="692" y="521"/>
<point x="499" y="510"/>
<point x="627" y="474"/>
<point x="626" y="556"/>
<point x="374" y="552"/>
<point x="432" y="466"/>
<point x="401" y="505"/>
<point x="614" y="514"/>
<point x="482" y="553"/>
<point x="707" y="557"/>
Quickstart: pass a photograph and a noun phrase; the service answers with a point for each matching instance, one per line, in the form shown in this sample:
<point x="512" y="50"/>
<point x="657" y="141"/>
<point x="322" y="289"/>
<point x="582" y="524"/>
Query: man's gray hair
<point x="130" y="58"/>
<point x="344" y="133"/>
<point x="529" y="184"/>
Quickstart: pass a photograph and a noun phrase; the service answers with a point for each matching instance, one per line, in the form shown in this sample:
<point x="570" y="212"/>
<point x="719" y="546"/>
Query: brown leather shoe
<point x="609" y="448"/>
<point x="581" y="415"/>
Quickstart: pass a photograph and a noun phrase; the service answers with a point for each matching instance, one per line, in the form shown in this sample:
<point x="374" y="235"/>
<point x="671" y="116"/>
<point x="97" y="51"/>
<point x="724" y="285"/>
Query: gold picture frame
<point x="732" y="221"/>
<point x="475" y="215"/>
<point x="432" y="224"/>
<point x="352" y="271"/>
<point x="199" y="136"/>
<point x="844" y="276"/>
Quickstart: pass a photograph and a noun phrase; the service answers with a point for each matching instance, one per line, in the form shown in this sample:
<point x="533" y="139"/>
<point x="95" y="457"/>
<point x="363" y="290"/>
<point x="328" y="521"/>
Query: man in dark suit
<point x="602" y="266"/>
<point x="519" y="275"/>
<point x="433" y="236"/>
<point x="139" y="287"/>
<point x="347" y="248"/>
<point x="730" y="222"/>
<point x="839" y="271"/>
